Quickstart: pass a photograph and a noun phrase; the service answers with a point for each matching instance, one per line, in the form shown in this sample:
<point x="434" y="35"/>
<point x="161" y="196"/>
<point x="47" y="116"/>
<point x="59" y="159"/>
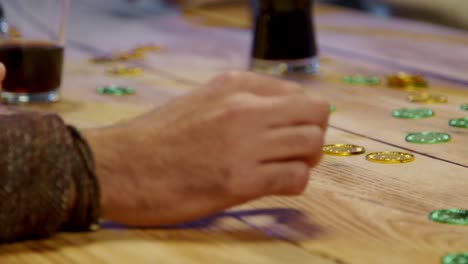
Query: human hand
<point x="240" y="137"/>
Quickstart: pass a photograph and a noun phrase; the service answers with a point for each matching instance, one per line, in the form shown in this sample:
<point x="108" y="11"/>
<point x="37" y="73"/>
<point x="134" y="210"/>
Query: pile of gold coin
<point x="124" y="71"/>
<point x="406" y="80"/>
<point x="137" y="53"/>
<point x="426" y="98"/>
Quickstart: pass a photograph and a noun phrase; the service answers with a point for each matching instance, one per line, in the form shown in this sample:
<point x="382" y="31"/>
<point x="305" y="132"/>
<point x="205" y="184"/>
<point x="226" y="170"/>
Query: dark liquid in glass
<point x="32" y="67"/>
<point x="283" y="30"/>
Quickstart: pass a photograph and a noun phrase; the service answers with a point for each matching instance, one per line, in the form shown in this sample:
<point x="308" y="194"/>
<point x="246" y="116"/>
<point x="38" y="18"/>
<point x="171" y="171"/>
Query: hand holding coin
<point x="240" y="137"/>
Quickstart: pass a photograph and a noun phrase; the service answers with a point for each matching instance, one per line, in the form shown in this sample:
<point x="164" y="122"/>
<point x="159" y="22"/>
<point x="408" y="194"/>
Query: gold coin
<point x="14" y="33"/>
<point x="343" y="149"/>
<point x="103" y="59"/>
<point x="147" y="48"/>
<point x="128" y="56"/>
<point x="407" y="81"/>
<point x="425" y="98"/>
<point x="126" y="71"/>
<point x="389" y="157"/>
<point x="118" y="57"/>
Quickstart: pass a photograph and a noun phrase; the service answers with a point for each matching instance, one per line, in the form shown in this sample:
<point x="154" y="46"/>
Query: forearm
<point x="122" y="169"/>
<point x="140" y="184"/>
<point x="110" y="155"/>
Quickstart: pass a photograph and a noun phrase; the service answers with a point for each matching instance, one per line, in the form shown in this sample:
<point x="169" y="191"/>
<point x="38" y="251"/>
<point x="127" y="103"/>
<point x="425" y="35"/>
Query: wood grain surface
<point x="353" y="211"/>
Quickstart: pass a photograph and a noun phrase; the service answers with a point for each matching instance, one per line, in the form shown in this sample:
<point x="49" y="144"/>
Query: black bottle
<point x="284" y="37"/>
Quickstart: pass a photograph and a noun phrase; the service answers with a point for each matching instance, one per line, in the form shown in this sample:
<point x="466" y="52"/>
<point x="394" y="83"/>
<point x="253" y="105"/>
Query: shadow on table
<point x="282" y="223"/>
<point x="246" y="226"/>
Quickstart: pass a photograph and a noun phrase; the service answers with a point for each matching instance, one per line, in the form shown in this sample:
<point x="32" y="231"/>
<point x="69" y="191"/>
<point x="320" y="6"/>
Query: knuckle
<point x="229" y="76"/>
<point x="298" y="169"/>
<point x="299" y="177"/>
<point x="319" y="102"/>
<point x="231" y="82"/>
<point x="319" y="109"/>
<point x="233" y="112"/>
<point x="236" y="106"/>
<point x="317" y="135"/>
<point x="308" y="138"/>
<point x="314" y="160"/>
<point x="299" y="100"/>
<point x="293" y="87"/>
<point x="317" y="141"/>
<point x="239" y="185"/>
<point x="316" y="149"/>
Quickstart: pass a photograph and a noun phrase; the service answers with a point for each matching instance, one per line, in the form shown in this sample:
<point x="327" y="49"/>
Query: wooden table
<point x="353" y="211"/>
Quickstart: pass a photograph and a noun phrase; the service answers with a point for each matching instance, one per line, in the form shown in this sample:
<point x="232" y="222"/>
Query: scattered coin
<point x="361" y="80"/>
<point x="413" y="113"/>
<point x="343" y="150"/>
<point x="425" y="98"/>
<point x="459" y="122"/>
<point x="428" y="138"/>
<point x="456" y="258"/>
<point x="405" y="80"/>
<point x="137" y="53"/>
<point x="126" y="71"/>
<point x="389" y="157"/>
<point x="450" y="216"/>
<point x="115" y="90"/>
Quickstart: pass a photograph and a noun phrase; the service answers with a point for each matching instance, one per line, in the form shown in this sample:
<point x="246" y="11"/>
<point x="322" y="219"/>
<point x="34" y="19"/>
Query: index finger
<point x="232" y="82"/>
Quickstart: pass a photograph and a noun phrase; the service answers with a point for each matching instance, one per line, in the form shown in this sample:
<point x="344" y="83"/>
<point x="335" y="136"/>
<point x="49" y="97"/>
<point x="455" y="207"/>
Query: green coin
<point x="115" y="90"/>
<point x="374" y="80"/>
<point x="361" y="80"/>
<point x="413" y="113"/>
<point x="351" y="80"/>
<point x="456" y="258"/>
<point x="428" y="138"/>
<point x="464" y="107"/>
<point x="332" y="108"/>
<point x="450" y="216"/>
<point x="459" y="122"/>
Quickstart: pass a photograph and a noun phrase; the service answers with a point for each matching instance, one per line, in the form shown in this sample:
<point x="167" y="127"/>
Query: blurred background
<point x="452" y="13"/>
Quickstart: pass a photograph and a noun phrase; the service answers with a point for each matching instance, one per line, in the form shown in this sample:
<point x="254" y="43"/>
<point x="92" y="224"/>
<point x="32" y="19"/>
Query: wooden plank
<point x="355" y="211"/>
<point x="227" y="240"/>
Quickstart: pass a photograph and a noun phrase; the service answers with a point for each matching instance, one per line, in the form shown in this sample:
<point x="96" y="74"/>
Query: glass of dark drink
<point x="284" y="37"/>
<point x="32" y="42"/>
